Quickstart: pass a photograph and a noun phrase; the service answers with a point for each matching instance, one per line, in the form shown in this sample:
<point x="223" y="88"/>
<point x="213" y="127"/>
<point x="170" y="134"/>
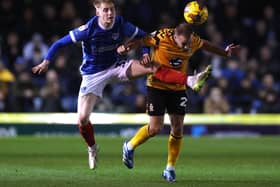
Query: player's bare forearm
<point x="134" y="44"/>
<point x="40" y="68"/>
<point x="208" y="46"/>
<point x="229" y="51"/>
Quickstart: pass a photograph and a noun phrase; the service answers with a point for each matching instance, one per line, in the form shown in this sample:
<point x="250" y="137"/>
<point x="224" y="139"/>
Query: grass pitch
<point x="62" y="161"/>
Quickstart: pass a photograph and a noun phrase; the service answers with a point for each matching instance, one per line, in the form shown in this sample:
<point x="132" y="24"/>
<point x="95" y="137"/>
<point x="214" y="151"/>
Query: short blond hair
<point x="96" y="3"/>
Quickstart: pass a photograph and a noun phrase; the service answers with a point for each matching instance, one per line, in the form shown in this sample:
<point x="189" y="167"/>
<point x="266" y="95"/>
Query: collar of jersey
<point x="102" y="27"/>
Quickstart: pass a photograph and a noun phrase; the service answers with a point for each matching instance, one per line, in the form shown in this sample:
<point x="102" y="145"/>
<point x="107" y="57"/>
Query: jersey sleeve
<point x="66" y="40"/>
<point x="145" y="50"/>
<point x="151" y="39"/>
<point x="197" y="42"/>
<point x="81" y="33"/>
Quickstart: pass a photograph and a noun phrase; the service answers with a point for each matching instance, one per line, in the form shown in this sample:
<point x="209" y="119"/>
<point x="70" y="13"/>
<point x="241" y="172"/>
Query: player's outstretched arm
<point x="229" y="51"/>
<point x="43" y="67"/>
<point x="147" y="40"/>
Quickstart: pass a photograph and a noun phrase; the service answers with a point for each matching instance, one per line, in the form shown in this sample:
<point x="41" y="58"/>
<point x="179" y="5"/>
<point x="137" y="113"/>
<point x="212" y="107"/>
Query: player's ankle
<point x="93" y="147"/>
<point x="191" y="81"/>
<point x="170" y="168"/>
<point x="129" y="146"/>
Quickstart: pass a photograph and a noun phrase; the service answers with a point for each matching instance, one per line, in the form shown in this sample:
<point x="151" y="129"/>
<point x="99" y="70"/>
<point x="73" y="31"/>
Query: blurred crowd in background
<point x="248" y="83"/>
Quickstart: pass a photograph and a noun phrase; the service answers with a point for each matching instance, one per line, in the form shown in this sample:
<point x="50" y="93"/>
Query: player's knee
<point x="177" y="130"/>
<point x="154" y="130"/>
<point x="83" y="120"/>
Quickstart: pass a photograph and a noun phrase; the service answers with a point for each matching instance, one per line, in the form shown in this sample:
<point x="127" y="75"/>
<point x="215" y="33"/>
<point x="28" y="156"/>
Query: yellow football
<point x="194" y="14"/>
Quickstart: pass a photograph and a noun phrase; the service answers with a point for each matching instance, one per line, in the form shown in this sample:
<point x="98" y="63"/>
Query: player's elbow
<point x="66" y="40"/>
<point x="59" y="44"/>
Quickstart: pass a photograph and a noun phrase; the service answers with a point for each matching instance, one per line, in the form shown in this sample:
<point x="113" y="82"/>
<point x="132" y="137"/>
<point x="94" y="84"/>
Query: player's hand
<point x="145" y="59"/>
<point x="126" y="47"/>
<point x="232" y="49"/>
<point x="133" y="44"/>
<point x="123" y="49"/>
<point x="40" y="68"/>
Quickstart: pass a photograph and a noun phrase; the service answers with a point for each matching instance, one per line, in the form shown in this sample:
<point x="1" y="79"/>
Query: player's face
<point x="106" y="13"/>
<point x="181" y="40"/>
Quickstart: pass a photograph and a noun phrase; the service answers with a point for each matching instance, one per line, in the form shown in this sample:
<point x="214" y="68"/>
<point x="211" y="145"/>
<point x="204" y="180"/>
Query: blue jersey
<point x="99" y="45"/>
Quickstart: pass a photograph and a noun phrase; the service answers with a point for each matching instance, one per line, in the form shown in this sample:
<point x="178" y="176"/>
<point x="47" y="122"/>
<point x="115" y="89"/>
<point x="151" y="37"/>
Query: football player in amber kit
<point x="171" y="48"/>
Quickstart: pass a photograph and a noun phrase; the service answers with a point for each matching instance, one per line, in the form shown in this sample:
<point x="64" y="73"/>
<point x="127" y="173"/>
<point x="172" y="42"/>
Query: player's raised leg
<point x="174" y="146"/>
<point x="167" y="75"/>
<point x="136" y="70"/>
<point x="85" y="106"/>
<point x="197" y="81"/>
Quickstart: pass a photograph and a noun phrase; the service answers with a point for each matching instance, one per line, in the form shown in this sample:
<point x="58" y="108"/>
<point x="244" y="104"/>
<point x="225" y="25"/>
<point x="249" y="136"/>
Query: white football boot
<point x="92" y="156"/>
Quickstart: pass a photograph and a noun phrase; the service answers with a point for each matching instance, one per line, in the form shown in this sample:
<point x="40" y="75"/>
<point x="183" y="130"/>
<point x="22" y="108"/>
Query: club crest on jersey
<point x="115" y="36"/>
<point x="83" y="27"/>
<point x="151" y="107"/>
<point x="83" y="89"/>
<point x="176" y="62"/>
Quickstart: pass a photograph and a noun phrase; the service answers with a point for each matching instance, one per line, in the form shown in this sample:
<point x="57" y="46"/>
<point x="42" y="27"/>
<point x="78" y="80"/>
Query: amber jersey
<point x="165" y="52"/>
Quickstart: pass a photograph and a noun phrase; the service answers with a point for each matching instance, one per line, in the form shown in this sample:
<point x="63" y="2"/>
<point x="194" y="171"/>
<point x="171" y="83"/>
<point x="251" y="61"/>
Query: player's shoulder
<point x="119" y="19"/>
<point x="93" y="20"/>
<point x="164" y="33"/>
<point x="167" y="31"/>
<point x="195" y="36"/>
<point x="90" y="24"/>
<point x="196" y="40"/>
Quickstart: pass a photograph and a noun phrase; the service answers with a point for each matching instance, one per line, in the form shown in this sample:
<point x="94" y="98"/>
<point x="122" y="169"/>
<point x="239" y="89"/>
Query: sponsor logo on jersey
<point x="115" y="36"/>
<point x="83" y="27"/>
<point x="176" y="62"/>
<point x="105" y="48"/>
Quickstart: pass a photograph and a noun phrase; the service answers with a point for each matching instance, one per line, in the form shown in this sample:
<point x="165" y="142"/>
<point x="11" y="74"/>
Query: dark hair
<point x="184" y="29"/>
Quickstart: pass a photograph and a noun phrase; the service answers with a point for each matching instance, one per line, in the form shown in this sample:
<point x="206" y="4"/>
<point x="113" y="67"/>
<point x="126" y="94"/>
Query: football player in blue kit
<point x="102" y="63"/>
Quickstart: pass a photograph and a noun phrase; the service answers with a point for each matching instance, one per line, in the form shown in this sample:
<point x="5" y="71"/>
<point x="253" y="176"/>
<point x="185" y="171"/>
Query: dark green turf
<point x="62" y="161"/>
